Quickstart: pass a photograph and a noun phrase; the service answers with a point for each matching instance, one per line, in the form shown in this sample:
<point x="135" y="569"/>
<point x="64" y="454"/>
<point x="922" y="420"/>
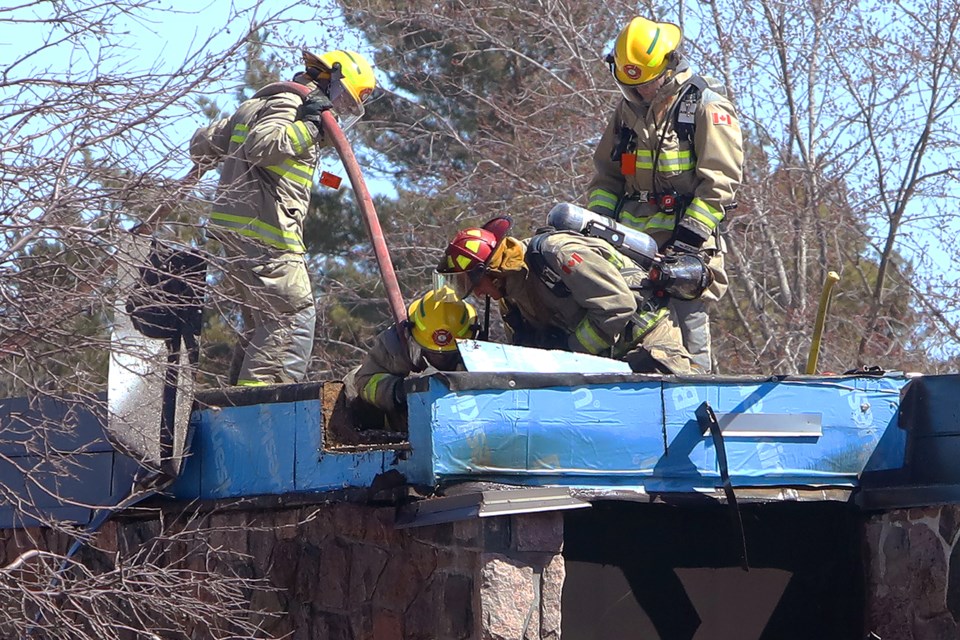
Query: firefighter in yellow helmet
<point x="435" y="322"/>
<point x="670" y="160"/>
<point x="267" y="151"/>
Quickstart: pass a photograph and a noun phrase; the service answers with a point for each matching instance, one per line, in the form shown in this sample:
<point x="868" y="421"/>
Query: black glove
<point x="312" y="109"/>
<point x="554" y="338"/>
<point x="399" y="394"/>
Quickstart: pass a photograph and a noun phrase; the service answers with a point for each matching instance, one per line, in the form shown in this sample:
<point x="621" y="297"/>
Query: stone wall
<point x="913" y="574"/>
<point x="343" y="572"/>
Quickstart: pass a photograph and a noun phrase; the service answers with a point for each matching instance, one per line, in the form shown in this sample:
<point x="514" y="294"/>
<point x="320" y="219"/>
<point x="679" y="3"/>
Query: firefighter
<point x="268" y="150"/>
<point x="435" y="321"/>
<point x="565" y="290"/>
<point x="670" y="160"/>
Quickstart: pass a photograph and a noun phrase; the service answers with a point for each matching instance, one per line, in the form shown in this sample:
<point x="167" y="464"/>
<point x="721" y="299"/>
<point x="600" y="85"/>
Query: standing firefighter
<point x="566" y="290"/>
<point x="670" y="160"/>
<point x="268" y="150"/>
<point x="436" y="320"/>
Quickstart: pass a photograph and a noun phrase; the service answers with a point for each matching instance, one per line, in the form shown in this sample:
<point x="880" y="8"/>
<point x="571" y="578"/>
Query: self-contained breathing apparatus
<point x="679" y="275"/>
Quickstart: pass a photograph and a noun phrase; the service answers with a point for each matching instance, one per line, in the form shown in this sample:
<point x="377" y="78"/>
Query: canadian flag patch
<point x="722" y="118"/>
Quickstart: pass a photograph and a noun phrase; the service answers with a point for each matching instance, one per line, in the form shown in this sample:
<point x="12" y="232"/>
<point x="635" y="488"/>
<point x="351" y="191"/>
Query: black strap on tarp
<point x="707" y="420"/>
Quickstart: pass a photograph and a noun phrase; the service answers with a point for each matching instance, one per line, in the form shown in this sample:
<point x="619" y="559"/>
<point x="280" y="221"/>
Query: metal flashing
<point x="907" y="496"/>
<point x="770" y="425"/>
<point x="485" y="504"/>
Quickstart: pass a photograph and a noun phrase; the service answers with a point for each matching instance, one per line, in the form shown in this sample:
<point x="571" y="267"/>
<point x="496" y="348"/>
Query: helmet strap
<point x="476" y="274"/>
<point x="336" y="73"/>
<point x="677" y="61"/>
<point x="484" y="333"/>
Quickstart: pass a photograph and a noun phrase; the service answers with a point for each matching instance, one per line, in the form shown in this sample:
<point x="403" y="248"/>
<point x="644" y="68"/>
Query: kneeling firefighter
<point x="563" y="288"/>
<point x="436" y="321"/>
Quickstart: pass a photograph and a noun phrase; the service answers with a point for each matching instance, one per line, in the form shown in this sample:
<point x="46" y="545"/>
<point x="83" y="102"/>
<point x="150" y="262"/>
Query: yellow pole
<point x="832" y="278"/>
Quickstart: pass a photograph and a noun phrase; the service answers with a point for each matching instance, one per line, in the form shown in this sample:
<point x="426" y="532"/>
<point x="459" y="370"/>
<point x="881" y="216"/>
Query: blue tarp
<point x="642" y="431"/>
<point x="581" y="430"/>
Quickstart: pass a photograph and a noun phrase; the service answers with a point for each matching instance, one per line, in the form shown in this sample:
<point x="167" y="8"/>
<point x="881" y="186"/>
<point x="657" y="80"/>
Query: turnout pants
<point x="279" y="317"/>
<point x="692" y="315"/>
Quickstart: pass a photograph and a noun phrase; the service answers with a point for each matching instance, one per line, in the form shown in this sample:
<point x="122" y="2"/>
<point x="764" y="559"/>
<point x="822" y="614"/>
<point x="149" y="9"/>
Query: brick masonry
<point x="341" y="571"/>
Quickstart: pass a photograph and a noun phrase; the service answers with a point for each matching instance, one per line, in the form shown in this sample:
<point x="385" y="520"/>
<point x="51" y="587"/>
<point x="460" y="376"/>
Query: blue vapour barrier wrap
<point x="612" y="430"/>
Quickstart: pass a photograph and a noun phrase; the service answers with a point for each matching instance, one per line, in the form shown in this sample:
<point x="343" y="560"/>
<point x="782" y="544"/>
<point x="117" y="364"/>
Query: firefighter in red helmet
<point x="565" y="290"/>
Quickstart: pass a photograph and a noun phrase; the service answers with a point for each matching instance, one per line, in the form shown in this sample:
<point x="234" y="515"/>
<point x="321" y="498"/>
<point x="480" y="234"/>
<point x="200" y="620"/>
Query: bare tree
<point x="92" y="134"/>
<point x="150" y="579"/>
<point x="851" y="119"/>
<point x="850" y="123"/>
<point x="493" y="107"/>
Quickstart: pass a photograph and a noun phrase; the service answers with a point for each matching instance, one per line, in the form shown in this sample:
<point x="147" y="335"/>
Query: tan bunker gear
<point x="669" y="167"/>
<point x="595" y="305"/>
<point x="436" y="321"/>
<point x="268" y="158"/>
<point x="565" y="290"/>
<point x="268" y="150"/>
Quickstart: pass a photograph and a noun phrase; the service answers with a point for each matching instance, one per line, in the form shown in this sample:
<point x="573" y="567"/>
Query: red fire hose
<point x="333" y="131"/>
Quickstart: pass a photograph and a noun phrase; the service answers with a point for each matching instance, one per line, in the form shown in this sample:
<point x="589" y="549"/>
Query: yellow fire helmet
<point x="351" y="81"/>
<point x="643" y="49"/>
<point x="437" y="319"/>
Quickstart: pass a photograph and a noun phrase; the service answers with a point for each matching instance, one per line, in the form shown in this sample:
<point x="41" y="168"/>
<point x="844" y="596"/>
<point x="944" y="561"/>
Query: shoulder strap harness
<point x="685" y="108"/>
<point x="535" y="260"/>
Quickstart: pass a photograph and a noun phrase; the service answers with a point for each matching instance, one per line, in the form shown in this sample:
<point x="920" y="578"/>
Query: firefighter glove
<point x="312" y="109"/>
<point x="687" y="240"/>
<point x="399" y="394"/>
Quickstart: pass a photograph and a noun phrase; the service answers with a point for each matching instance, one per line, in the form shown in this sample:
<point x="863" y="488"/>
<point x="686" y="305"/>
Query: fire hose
<point x="335" y="134"/>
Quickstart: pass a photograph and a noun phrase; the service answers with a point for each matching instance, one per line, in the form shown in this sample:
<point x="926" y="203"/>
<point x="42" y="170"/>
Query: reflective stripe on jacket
<point x="268" y="159"/>
<point x="706" y="174"/>
<point x="385" y="366"/>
